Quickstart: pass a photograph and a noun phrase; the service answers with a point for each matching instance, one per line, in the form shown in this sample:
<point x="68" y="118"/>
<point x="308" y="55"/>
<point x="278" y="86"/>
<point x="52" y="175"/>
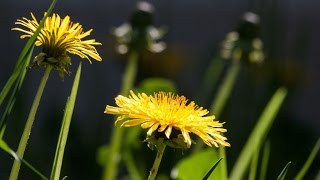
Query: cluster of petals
<point x="164" y="112"/>
<point x="59" y="35"/>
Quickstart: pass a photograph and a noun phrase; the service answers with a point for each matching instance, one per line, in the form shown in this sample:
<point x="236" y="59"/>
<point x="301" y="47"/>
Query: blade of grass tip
<point x="64" y="131"/>
<point x="259" y="132"/>
<point x="4" y="146"/>
<point x="254" y="165"/>
<point x="211" y="170"/>
<point x="23" y="54"/>
<point x="15" y="90"/>
<point x="309" y="161"/>
<point x="265" y="160"/>
<point x="284" y="171"/>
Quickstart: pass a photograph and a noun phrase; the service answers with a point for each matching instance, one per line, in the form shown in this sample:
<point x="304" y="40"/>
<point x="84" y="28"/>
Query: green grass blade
<point x="16" y="89"/>
<point x="27" y="48"/>
<point x="309" y="161"/>
<point x="63" y="136"/>
<point x="258" y="134"/>
<point x="4" y="146"/>
<point x="254" y="166"/>
<point x="265" y="160"/>
<point x="284" y="171"/>
<point x="211" y="170"/>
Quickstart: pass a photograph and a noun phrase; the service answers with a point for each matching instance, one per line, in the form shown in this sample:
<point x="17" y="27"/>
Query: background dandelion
<point x="195" y="30"/>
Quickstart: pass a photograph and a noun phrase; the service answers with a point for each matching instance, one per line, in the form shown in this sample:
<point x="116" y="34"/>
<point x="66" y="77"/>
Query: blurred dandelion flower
<point x="59" y="36"/>
<point x="246" y="38"/>
<point x="139" y="33"/>
<point x="166" y="115"/>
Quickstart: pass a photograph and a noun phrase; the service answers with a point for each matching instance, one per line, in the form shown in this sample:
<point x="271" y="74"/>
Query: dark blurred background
<point x="290" y="32"/>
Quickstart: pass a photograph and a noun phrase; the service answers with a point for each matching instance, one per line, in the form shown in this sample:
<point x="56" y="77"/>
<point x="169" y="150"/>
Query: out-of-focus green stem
<point x="27" y="129"/>
<point x="157" y="161"/>
<point x="226" y="87"/>
<point x="131" y="166"/>
<point x="111" y="167"/>
<point x="210" y="79"/>
<point x="253" y="166"/>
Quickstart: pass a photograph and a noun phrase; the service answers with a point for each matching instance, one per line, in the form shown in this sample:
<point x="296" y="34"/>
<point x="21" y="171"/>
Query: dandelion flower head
<point x="167" y="113"/>
<point x="59" y="36"/>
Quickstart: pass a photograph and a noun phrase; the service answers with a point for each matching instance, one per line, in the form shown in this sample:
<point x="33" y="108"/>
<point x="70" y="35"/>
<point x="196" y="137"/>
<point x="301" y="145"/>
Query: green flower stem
<point x="27" y="129"/>
<point x="225" y="89"/>
<point x="111" y="167"/>
<point x="157" y="161"/>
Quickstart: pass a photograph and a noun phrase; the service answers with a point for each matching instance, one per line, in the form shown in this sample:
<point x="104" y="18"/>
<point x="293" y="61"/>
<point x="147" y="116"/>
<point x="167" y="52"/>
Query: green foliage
<point x="212" y="169"/>
<point x="152" y="85"/>
<point x="196" y="165"/>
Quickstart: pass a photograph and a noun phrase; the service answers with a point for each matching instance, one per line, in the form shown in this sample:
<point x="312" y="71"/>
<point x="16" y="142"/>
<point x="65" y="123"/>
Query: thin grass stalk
<point x="27" y="130"/>
<point x="254" y="166"/>
<point x="258" y="134"/>
<point x="64" y="130"/>
<point x="309" y="161"/>
<point x="265" y="161"/>
<point x="111" y="167"/>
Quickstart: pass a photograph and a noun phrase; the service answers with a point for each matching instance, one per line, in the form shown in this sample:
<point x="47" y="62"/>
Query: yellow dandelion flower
<point x="59" y="36"/>
<point x="168" y="113"/>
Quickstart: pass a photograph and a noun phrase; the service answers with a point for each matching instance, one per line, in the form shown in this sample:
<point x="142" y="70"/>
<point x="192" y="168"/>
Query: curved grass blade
<point x="258" y="134"/>
<point x="16" y="89"/>
<point x="284" y="171"/>
<point x="63" y="136"/>
<point x="4" y="146"/>
<point x="211" y="170"/>
<point x="309" y="161"/>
